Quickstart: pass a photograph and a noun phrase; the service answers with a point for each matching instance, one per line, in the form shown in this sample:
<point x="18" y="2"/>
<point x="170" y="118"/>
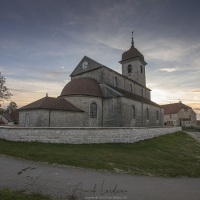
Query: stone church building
<point x="98" y="96"/>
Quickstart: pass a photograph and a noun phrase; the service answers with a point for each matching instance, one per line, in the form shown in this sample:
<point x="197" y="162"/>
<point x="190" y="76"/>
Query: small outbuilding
<point x="10" y="117"/>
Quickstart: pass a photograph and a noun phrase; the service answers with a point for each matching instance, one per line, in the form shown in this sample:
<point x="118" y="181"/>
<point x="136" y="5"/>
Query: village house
<point x="179" y="114"/>
<point x="10" y="117"/>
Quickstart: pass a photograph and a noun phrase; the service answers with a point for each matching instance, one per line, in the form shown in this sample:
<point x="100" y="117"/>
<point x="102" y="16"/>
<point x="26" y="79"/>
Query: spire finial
<point x="132" y="42"/>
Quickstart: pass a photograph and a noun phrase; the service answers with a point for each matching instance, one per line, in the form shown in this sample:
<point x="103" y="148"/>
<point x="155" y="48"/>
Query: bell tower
<point x="133" y="64"/>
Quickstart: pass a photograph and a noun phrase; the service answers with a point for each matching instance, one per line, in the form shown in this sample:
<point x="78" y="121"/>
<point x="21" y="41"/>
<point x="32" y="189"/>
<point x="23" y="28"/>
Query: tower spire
<point x="132" y="42"/>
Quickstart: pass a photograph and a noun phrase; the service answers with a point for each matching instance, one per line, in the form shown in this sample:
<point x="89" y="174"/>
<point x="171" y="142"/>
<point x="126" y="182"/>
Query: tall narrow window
<point x="133" y="112"/>
<point x="141" y="69"/>
<point x="27" y="120"/>
<point x="131" y="88"/>
<point x="115" y="81"/>
<point x="147" y="114"/>
<point x="93" y="110"/>
<point x="142" y="92"/>
<point x="157" y="115"/>
<point x="129" y="69"/>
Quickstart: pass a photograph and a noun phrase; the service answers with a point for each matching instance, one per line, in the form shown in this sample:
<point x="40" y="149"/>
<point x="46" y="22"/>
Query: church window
<point x="133" y="112"/>
<point x="147" y="114"/>
<point x="93" y="110"/>
<point x="115" y="81"/>
<point x="131" y="88"/>
<point x="27" y="120"/>
<point x="129" y="69"/>
<point x="141" y="69"/>
<point x="157" y="115"/>
<point x="142" y="92"/>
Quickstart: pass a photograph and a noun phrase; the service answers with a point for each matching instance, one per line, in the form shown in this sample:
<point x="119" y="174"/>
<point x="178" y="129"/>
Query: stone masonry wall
<point x="83" y="135"/>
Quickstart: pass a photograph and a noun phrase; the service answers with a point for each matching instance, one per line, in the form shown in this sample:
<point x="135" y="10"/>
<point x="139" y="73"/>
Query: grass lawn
<point x="7" y="194"/>
<point x="171" y="155"/>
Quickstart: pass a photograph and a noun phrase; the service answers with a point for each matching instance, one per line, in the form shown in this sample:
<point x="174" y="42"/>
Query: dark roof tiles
<point x="51" y="104"/>
<point x="11" y="116"/>
<point x="135" y="97"/>
<point x="174" y="108"/>
<point x="82" y="86"/>
<point x="132" y="53"/>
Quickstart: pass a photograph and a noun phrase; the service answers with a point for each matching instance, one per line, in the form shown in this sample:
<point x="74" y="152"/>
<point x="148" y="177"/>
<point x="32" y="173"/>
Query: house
<point x="10" y="117"/>
<point x="179" y="114"/>
<point x="98" y="96"/>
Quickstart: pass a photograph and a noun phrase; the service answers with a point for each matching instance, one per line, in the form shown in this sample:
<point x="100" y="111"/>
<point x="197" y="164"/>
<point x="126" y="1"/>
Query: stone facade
<point x="83" y="135"/>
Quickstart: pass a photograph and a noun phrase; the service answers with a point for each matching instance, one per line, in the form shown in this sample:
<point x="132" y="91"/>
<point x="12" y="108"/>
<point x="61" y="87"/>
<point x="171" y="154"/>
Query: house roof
<point x="174" y="108"/>
<point x="11" y="116"/>
<point x="8" y="117"/>
<point x="82" y="86"/>
<point x="135" y="97"/>
<point x="51" y="103"/>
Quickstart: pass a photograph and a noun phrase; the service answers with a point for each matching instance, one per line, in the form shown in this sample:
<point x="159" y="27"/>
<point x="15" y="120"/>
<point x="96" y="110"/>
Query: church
<point x="98" y="96"/>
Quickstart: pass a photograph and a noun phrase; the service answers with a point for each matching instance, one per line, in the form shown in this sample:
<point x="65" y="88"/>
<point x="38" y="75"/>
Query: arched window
<point x="129" y="69"/>
<point x="131" y="88"/>
<point x="115" y="81"/>
<point x="147" y="114"/>
<point x="133" y="112"/>
<point x="141" y="69"/>
<point x="93" y="110"/>
<point x="157" y="115"/>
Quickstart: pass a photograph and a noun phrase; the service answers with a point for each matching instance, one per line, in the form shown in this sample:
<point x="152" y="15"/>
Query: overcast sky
<point x="42" y="41"/>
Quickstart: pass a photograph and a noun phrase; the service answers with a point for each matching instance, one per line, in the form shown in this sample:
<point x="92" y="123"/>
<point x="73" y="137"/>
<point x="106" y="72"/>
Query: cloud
<point x="169" y="69"/>
<point x="195" y="90"/>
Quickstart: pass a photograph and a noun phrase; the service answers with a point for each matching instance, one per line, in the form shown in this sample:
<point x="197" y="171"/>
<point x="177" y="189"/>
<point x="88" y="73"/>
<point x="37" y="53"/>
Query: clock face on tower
<point x="85" y="64"/>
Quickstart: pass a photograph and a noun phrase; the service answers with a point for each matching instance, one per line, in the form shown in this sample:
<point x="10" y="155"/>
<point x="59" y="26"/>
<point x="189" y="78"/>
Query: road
<point x="61" y="181"/>
<point x="196" y="135"/>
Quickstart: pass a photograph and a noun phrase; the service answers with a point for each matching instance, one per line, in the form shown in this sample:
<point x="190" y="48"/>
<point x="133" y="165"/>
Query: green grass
<point x="171" y="155"/>
<point x="7" y="194"/>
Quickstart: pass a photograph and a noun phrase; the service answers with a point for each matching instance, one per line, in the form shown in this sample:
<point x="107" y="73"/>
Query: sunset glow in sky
<point x="42" y="41"/>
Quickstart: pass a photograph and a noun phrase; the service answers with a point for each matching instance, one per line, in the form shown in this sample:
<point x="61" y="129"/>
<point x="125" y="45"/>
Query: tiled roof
<point x="135" y="97"/>
<point x="174" y="108"/>
<point x="51" y="104"/>
<point x="132" y="53"/>
<point x="8" y="117"/>
<point x="11" y="116"/>
<point x="82" y="86"/>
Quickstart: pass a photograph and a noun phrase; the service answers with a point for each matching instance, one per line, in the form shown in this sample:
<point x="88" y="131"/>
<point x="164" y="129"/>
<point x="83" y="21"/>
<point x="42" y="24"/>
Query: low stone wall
<point x="83" y="135"/>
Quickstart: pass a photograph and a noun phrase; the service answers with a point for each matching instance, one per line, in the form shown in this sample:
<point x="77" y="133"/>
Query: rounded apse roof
<point x="82" y="86"/>
<point x="132" y="53"/>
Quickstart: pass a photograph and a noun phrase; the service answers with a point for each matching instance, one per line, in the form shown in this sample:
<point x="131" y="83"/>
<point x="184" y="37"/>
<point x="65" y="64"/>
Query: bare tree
<point x="4" y="92"/>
